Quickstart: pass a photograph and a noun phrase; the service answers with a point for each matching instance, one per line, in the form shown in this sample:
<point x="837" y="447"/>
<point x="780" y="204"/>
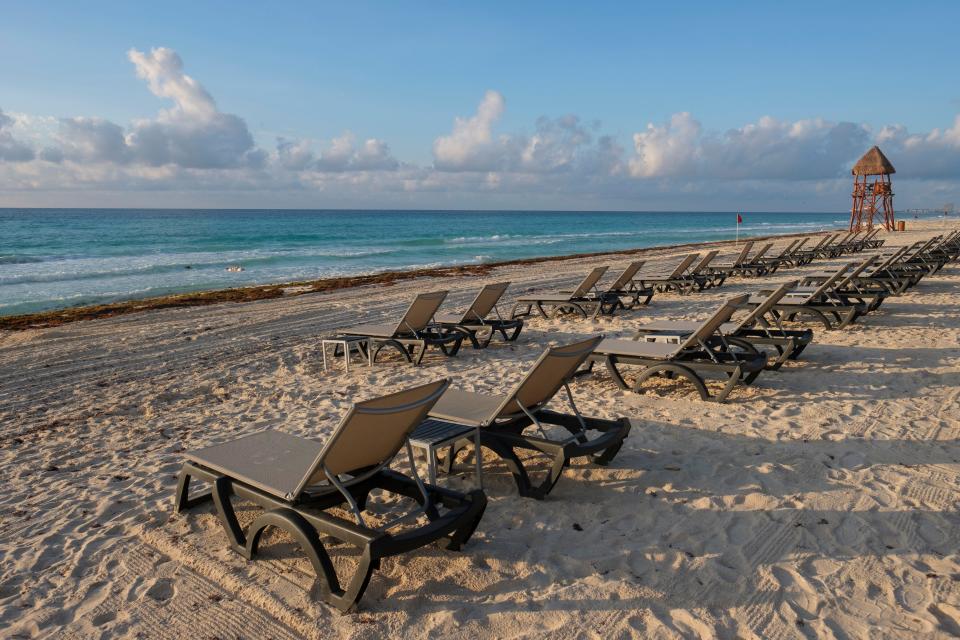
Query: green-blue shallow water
<point x="56" y="258"/>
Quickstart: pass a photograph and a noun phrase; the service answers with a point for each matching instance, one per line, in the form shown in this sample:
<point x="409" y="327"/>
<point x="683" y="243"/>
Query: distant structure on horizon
<point x="872" y="191"/>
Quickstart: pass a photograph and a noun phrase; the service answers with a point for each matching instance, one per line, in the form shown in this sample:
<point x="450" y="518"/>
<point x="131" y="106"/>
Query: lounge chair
<point x="704" y="352"/>
<point x="795" y="258"/>
<point x="297" y="482"/>
<point x="831" y="248"/>
<point x="753" y="267"/>
<point x="898" y="271"/>
<point x="803" y="257"/>
<point x="581" y="300"/>
<point x="729" y="268"/>
<point x="475" y="324"/>
<point x="515" y="421"/>
<point x="850" y="289"/>
<point x="753" y="328"/>
<point x="871" y="241"/>
<point x="948" y="249"/>
<point x="772" y="263"/>
<point x="817" y="302"/>
<point x="625" y="290"/>
<point x="674" y="280"/>
<point x="414" y="333"/>
<point x="881" y="277"/>
<point x="623" y="293"/>
<point x="701" y="273"/>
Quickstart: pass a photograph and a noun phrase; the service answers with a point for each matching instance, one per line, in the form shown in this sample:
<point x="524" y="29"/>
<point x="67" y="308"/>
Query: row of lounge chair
<point x="321" y="491"/>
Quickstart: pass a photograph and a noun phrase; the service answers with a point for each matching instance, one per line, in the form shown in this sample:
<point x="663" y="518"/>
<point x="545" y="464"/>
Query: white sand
<point x="821" y="502"/>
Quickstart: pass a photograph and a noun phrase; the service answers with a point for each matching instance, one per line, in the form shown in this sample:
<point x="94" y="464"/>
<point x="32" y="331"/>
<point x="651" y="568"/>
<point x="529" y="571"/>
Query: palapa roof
<point x="872" y="163"/>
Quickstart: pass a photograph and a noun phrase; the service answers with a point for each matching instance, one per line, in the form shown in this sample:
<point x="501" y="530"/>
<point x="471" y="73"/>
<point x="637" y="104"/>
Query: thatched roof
<point x="872" y="163"/>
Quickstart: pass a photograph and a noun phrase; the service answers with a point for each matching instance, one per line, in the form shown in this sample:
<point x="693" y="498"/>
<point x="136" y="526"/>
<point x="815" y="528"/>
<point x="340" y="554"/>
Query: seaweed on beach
<point x="59" y="317"/>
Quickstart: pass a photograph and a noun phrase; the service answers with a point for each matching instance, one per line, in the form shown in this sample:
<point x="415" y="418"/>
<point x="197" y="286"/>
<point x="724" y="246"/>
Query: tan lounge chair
<point x="476" y="324"/>
<point x="704" y="352"/>
<point x="516" y="420"/>
<point x="585" y="300"/>
<point x="296" y="482"/>
<point x="414" y="333"/>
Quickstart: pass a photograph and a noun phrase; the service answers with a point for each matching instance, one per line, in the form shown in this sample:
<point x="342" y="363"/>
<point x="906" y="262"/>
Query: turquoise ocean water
<point x="55" y="258"/>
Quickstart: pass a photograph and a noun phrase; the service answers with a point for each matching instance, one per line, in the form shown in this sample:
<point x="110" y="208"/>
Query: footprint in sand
<point x="798" y="593"/>
<point x="104" y="618"/>
<point x="931" y="534"/>
<point x="853" y="461"/>
<point x="850" y="532"/>
<point x="161" y="590"/>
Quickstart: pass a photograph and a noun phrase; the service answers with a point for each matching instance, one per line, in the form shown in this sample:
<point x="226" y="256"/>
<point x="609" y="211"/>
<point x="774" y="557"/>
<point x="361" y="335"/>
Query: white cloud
<point x="190" y="146"/>
<point x="162" y="68"/>
<point x="932" y="155"/>
<point x="192" y="133"/>
<point x="471" y="146"/>
<point x="93" y="140"/>
<point x="562" y="144"/>
<point x="668" y="150"/>
<point x="11" y="149"/>
<point x="766" y="149"/>
<point x="294" y="155"/>
<point x="341" y="154"/>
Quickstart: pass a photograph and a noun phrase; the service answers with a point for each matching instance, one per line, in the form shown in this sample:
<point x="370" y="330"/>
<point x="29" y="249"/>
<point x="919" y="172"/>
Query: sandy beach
<point x="821" y="502"/>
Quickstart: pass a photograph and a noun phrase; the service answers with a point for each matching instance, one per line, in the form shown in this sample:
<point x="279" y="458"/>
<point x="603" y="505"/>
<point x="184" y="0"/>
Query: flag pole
<point x="738" y="229"/>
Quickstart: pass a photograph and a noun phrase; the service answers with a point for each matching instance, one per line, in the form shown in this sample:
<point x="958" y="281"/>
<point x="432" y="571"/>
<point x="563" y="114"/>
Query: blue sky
<point x="399" y="74"/>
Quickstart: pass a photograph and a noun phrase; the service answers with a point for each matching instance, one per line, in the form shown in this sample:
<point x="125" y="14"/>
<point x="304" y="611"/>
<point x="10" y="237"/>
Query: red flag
<point x="739" y="219"/>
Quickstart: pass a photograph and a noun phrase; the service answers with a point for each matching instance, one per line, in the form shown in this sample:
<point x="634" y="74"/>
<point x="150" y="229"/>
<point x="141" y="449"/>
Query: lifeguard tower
<point x="872" y="191"/>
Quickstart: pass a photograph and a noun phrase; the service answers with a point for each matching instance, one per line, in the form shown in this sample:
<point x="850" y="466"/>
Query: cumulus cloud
<point x="162" y="68"/>
<point x="667" y="150"/>
<point x="12" y="150"/>
<point x="344" y="154"/>
<point x="93" y="140"/>
<point x="192" y="133"/>
<point x="341" y="154"/>
<point x="471" y="146"/>
<point x="561" y="144"/>
<point x="294" y="155"/>
<point x="932" y="155"/>
<point x="766" y="149"/>
<point x="190" y="145"/>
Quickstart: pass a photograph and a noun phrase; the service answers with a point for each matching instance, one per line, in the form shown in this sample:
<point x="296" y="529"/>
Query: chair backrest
<point x="485" y="301"/>
<point x="554" y="367"/>
<point x="927" y="245"/>
<point x="420" y="312"/>
<point x="762" y="252"/>
<point x="828" y="284"/>
<point x="832" y="242"/>
<point x="712" y="324"/>
<point x="588" y="283"/>
<point x="787" y="249"/>
<point x="800" y="244"/>
<point x="747" y="247"/>
<point x="890" y="259"/>
<point x="764" y="307"/>
<point x="625" y="278"/>
<point x="822" y="242"/>
<point x="681" y="268"/>
<point x="372" y="433"/>
<point x="704" y="262"/>
<point x="855" y="273"/>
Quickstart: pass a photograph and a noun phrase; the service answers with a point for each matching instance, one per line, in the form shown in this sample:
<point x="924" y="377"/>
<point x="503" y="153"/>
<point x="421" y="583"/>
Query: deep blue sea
<point x="55" y="258"/>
